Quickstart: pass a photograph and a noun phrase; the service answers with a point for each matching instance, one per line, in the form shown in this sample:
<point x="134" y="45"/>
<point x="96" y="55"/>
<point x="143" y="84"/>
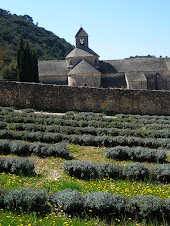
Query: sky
<point x="117" y="29"/>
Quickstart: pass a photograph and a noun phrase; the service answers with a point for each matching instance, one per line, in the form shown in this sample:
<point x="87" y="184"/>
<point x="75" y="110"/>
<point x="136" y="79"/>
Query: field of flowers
<point x="99" y="157"/>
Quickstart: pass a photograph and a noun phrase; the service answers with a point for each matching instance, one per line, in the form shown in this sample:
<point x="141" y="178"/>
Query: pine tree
<point x="27" y="63"/>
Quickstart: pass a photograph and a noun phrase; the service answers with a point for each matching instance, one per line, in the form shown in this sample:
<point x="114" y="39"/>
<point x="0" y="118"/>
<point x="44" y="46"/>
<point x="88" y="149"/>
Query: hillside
<point x="46" y="44"/>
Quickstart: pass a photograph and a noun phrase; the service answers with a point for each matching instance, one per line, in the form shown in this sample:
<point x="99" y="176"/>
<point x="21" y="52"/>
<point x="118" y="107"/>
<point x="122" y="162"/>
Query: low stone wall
<point x="65" y="98"/>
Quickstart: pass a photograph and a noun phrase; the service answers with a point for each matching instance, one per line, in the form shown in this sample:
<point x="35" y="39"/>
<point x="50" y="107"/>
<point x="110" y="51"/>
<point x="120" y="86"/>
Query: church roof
<point x="58" y="67"/>
<point x="135" y="64"/>
<point x="135" y="76"/>
<point x="83" y="52"/>
<point x="81" y="33"/>
<point x="84" y="68"/>
<point x="52" y="67"/>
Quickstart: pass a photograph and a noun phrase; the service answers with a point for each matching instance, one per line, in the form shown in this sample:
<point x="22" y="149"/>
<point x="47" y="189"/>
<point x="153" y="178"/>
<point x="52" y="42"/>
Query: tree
<point x="27" y="17"/>
<point x="4" y="56"/>
<point x="27" y="63"/>
<point x="9" y="72"/>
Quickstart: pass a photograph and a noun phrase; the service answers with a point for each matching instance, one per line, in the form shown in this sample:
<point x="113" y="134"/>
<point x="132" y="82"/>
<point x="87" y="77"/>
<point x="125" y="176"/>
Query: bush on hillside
<point x="136" y="171"/>
<point x="38" y="149"/>
<point x="2" y="164"/>
<point x="108" y="170"/>
<point x="59" y="150"/>
<point x="166" y="208"/>
<point x="18" y="166"/>
<point x="104" y="203"/>
<point x="1" y="198"/>
<point x="19" y="148"/>
<point x="25" y="200"/>
<point x="137" y="154"/>
<point x="4" y="147"/>
<point x="3" y="125"/>
<point x="80" y="169"/>
<point x="144" y="206"/>
<point x="162" y="173"/>
<point x="69" y="200"/>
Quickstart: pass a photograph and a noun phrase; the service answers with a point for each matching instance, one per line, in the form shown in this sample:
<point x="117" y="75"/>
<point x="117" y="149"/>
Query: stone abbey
<point x="82" y="67"/>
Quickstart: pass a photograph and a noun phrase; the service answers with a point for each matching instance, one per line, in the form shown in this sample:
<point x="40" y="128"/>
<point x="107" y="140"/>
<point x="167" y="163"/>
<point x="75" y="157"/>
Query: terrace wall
<point x="65" y="98"/>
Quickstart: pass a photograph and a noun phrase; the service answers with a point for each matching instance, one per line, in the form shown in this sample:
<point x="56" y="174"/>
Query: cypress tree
<point x="20" y="61"/>
<point x="27" y="64"/>
<point x="34" y="66"/>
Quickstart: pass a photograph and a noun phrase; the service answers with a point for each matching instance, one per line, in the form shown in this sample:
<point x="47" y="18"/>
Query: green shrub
<point x="36" y="200"/>
<point x="135" y="171"/>
<point x="4" y="147"/>
<point x="143" y="154"/>
<point x="69" y="113"/>
<point x="118" y="152"/>
<point x="3" y="125"/>
<point x="2" y="164"/>
<point x="38" y="149"/>
<point x="52" y="137"/>
<point x="18" y="166"/>
<point x="1" y="198"/>
<point x="108" y="170"/>
<point x="104" y="203"/>
<point x="59" y="150"/>
<point x="25" y="200"/>
<point x="80" y="169"/>
<point x="166" y="208"/>
<point x="13" y="200"/>
<point x="19" y="148"/>
<point x="69" y="200"/>
<point x="144" y="206"/>
<point x="162" y="173"/>
<point x="28" y="110"/>
<point x="137" y="154"/>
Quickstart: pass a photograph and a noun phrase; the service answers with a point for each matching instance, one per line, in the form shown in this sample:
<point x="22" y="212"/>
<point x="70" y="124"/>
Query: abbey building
<point x="82" y="67"/>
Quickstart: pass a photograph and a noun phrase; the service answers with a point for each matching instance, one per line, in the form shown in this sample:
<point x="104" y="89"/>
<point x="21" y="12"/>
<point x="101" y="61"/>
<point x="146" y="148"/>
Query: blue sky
<point x="117" y="28"/>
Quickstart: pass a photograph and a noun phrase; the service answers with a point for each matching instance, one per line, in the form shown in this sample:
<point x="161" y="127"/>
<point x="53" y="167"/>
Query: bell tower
<point x="81" y="39"/>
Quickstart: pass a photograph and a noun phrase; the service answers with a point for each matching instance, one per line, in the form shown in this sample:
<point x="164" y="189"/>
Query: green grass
<point x="14" y="219"/>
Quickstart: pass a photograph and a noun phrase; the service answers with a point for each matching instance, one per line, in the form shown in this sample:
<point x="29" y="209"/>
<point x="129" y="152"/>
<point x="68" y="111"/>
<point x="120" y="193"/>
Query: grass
<point x="22" y="219"/>
<point x="127" y="188"/>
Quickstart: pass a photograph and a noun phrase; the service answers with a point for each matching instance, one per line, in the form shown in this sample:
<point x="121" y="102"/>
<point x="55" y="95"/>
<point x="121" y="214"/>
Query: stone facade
<point x="65" y="98"/>
<point x="134" y="73"/>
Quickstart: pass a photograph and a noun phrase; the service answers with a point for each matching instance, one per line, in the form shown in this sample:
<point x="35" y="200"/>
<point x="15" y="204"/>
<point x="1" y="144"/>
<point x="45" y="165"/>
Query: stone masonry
<point x="65" y="98"/>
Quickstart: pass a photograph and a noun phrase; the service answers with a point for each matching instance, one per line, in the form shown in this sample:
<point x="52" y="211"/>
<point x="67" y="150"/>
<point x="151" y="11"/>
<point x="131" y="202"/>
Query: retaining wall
<point x="65" y="98"/>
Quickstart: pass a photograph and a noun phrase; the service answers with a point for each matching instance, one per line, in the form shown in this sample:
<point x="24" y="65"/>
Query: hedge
<point x="94" y="203"/>
<point x="136" y="154"/>
<point x="69" y="200"/>
<point x="162" y="172"/>
<point x="81" y="128"/>
<point x="27" y="200"/>
<point x="80" y="169"/>
<point x="25" y="149"/>
<point x="135" y="171"/>
<point x="144" y="206"/>
<point x="105" y="203"/>
<point x="16" y="166"/>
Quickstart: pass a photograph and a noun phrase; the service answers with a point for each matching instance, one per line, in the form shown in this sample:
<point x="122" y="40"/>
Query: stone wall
<point x="158" y="80"/>
<point x="65" y="98"/>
